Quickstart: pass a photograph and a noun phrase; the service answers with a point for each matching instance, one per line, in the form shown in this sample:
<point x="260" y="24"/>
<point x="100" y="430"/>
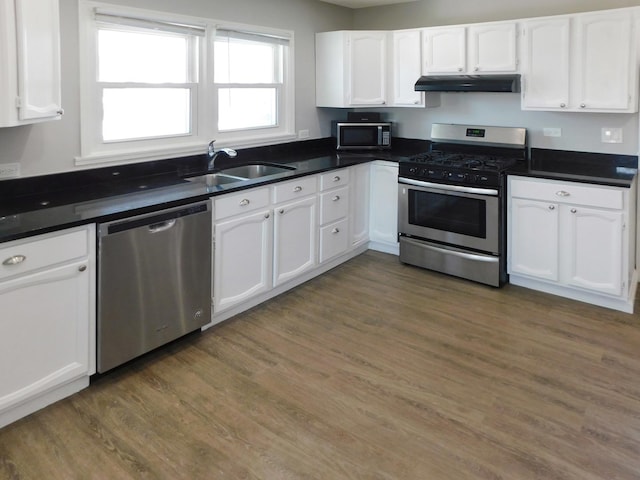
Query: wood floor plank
<point x="375" y="370"/>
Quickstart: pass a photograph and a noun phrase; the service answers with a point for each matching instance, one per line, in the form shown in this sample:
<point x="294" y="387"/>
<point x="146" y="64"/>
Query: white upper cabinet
<point x="583" y="62"/>
<point x="474" y="49"/>
<point x="30" y="55"/>
<point x="406" y="68"/>
<point x="351" y="69"/>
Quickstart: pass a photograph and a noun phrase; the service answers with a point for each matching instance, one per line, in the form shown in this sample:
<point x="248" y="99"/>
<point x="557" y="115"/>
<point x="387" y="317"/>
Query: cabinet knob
<point x="297" y="189"/>
<point x="60" y="112"/>
<point x="573" y="210"/>
<point x="336" y="198"/>
<point x="562" y="105"/>
<point x="82" y="268"/>
<point x="15" y="260"/>
<point x="416" y="102"/>
<point x="582" y="105"/>
<point x="244" y="202"/>
<point x="459" y="69"/>
<point x="335" y="230"/>
<point x="552" y="207"/>
<point x="281" y="211"/>
<point x="336" y="178"/>
<point x="562" y="193"/>
<point x="266" y="215"/>
<point x="476" y="69"/>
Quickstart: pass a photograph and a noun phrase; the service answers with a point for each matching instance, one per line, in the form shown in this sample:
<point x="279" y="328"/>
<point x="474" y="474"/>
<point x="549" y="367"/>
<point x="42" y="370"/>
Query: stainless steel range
<point x="452" y="201"/>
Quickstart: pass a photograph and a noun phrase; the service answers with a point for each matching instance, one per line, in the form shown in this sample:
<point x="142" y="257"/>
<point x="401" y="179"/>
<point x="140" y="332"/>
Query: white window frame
<point x="95" y="152"/>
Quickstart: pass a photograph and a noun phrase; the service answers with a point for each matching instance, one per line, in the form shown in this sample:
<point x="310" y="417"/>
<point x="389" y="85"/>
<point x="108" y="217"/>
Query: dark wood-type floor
<point x="375" y="370"/>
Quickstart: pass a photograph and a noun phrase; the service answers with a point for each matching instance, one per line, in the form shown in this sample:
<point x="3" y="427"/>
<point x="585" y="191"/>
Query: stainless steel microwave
<point x="362" y="135"/>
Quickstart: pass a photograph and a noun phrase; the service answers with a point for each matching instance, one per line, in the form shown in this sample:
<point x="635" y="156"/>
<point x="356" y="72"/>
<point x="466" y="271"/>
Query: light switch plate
<point x="611" y="135"/>
<point x="552" y="132"/>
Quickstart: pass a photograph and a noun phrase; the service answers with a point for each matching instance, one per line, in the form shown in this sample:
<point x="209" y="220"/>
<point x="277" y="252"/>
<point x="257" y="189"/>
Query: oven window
<point x="449" y="213"/>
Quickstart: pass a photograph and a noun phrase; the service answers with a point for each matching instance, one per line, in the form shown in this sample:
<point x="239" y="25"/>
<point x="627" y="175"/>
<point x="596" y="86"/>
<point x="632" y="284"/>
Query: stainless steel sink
<point x="257" y="170"/>
<point x="214" y="179"/>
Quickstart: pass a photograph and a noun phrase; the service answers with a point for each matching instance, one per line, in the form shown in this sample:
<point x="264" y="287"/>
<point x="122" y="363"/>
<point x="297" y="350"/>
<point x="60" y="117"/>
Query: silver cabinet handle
<point x="281" y="211"/>
<point x="552" y="207"/>
<point x="266" y="215"/>
<point x="15" y="260"/>
<point x="562" y="193"/>
<point x="82" y="268"/>
<point x="244" y="202"/>
<point x="297" y="189"/>
<point x="459" y="69"/>
<point x="335" y="230"/>
<point x="336" y="178"/>
<point x="582" y="105"/>
<point x="573" y="210"/>
<point x="336" y="198"/>
<point x="60" y="112"/>
<point x="476" y="69"/>
<point x="562" y="105"/>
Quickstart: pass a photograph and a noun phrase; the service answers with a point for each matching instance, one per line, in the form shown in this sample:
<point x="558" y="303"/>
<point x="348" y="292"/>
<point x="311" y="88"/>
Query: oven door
<point x="464" y="217"/>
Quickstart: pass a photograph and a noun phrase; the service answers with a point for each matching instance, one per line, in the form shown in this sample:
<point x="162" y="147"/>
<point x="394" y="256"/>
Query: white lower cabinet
<point x="383" y="207"/>
<point x="334" y="212"/>
<point x="294" y="239"/>
<point x="573" y="239"/>
<point x="359" y="204"/>
<point x="47" y="326"/>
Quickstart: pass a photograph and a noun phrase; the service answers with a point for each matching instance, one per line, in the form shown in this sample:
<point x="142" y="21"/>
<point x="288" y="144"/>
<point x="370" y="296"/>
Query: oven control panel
<point x="453" y="177"/>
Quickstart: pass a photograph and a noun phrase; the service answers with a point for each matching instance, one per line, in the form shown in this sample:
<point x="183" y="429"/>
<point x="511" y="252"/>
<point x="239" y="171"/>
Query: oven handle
<point x="453" y="188"/>
<point x="455" y="253"/>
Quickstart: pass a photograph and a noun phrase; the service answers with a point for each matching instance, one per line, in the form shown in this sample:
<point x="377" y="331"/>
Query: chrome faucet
<point x="213" y="154"/>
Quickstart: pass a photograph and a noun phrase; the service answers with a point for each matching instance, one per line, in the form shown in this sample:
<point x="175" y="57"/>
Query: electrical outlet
<point x="9" y="170"/>
<point x="611" y="135"/>
<point x="552" y="132"/>
<point x="303" y="134"/>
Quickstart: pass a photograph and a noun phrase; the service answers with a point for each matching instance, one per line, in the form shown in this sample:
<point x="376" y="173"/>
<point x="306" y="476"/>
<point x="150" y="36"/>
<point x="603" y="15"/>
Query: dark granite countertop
<point x="584" y="167"/>
<point x="32" y="206"/>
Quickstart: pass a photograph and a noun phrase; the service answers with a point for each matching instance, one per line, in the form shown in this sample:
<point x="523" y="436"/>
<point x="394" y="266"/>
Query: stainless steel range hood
<point x="468" y="83"/>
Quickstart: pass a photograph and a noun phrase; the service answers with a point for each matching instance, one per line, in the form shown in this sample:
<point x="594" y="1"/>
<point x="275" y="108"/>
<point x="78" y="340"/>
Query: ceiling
<point x="364" y="3"/>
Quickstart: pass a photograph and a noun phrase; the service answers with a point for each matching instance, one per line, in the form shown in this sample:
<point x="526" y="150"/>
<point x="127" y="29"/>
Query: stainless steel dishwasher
<point x="154" y="281"/>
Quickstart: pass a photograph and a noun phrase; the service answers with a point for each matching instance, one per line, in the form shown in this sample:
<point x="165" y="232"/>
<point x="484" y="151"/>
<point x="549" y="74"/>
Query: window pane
<point x="125" y="56"/>
<point x="145" y="112"/>
<point x="246" y="108"/>
<point x="242" y="61"/>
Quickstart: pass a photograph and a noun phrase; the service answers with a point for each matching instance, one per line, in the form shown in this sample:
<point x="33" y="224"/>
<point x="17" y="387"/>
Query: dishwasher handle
<point x="154" y="222"/>
<point x="162" y="226"/>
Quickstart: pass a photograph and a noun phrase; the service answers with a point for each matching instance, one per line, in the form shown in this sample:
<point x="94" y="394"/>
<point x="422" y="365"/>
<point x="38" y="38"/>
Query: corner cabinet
<point x="30" y="80"/>
<point x="47" y="326"/>
<point x="473" y="49"/>
<point x="351" y="69"/>
<point x="581" y="63"/>
<point x="573" y="239"/>
<point x="383" y="221"/>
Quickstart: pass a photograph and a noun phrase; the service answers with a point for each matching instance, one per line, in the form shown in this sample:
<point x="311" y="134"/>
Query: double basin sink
<point x="241" y="173"/>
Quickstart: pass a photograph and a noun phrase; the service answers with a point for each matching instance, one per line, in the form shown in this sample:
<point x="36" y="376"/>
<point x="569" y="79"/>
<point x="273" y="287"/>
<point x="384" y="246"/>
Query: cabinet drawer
<point x="336" y="178"/>
<point x="241" y="202"/>
<point x="334" y="240"/>
<point x="568" y="192"/>
<point x="300" y="187"/>
<point x="334" y="205"/>
<point x="25" y="256"/>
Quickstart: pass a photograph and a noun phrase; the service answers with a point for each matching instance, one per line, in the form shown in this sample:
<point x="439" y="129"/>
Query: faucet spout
<point x="213" y="154"/>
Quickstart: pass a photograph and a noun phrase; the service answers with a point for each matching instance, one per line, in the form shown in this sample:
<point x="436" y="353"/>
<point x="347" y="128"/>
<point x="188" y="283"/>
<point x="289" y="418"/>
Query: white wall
<point x="51" y="147"/>
<point x="580" y="131"/>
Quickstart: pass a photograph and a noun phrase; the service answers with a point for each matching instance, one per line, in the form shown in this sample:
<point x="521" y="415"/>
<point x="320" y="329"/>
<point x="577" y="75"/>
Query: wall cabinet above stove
<point x="583" y="62"/>
<point x="474" y="49"/>
<point x="30" y="57"/>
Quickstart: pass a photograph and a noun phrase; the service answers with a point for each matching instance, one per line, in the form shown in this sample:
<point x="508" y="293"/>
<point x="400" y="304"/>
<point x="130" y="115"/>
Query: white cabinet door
<point x="593" y="247"/>
<point x="492" y="48"/>
<point x="242" y="258"/>
<point x="604" y="61"/>
<point x="533" y="242"/>
<point x="383" y="204"/>
<point x="359" y="206"/>
<point x="444" y="50"/>
<point x="546" y="64"/>
<point x="294" y="238"/>
<point x="44" y="331"/>
<point x="38" y="48"/>
<point x="368" y="68"/>
<point x="406" y="68"/>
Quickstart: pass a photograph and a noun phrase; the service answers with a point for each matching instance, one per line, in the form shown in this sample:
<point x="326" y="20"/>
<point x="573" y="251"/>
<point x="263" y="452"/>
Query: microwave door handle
<point x="379" y="135"/>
